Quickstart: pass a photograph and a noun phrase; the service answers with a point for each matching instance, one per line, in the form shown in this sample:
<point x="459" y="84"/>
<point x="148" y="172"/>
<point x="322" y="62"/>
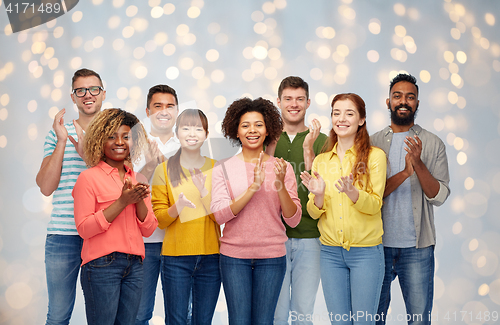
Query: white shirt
<point x="168" y="149"/>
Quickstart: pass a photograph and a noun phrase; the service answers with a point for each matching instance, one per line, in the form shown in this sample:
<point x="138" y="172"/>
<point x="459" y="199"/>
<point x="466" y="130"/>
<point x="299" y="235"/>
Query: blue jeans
<point x="198" y="275"/>
<point x="252" y="288"/>
<point x="62" y="264"/>
<point x="414" y="268"/>
<point x="301" y="282"/>
<point x="352" y="280"/>
<point x="152" y="268"/>
<point x="112" y="287"/>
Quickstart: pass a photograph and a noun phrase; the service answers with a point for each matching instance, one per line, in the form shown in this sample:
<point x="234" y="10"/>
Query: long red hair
<point x="361" y="142"/>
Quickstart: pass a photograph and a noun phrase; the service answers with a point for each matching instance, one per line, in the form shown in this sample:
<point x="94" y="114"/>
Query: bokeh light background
<point x="213" y="52"/>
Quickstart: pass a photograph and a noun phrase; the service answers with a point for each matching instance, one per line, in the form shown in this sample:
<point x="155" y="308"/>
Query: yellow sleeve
<point x="312" y="209"/>
<point x="370" y="203"/>
<point x="161" y="198"/>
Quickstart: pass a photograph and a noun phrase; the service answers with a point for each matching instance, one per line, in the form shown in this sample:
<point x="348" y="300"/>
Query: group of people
<point x="296" y="207"/>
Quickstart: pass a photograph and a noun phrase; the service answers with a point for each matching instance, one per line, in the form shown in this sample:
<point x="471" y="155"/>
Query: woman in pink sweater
<point x="250" y="193"/>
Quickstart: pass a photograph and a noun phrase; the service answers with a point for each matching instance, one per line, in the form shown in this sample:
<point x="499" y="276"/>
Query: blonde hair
<point x="104" y="125"/>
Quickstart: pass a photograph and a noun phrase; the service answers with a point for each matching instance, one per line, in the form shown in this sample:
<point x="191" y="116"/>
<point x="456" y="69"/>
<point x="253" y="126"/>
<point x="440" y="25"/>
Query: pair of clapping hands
<point x="317" y="185"/>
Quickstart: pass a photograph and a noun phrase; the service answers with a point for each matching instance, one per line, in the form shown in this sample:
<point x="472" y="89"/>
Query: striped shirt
<point x="62" y="220"/>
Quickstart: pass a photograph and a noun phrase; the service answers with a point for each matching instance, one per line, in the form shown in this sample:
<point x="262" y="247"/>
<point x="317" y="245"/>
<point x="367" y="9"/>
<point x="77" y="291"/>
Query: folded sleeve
<point x="148" y="226"/>
<point x="441" y="173"/>
<point x="89" y="222"/>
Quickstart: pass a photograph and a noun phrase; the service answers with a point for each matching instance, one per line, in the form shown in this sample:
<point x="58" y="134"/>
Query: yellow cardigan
<point x="342" y="222"/>
<point x="194" y="231"/>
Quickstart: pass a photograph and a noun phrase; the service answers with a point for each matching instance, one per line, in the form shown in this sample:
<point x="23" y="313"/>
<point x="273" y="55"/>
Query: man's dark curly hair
<point x="403" y="77"/>
<point x="272" y="118"/>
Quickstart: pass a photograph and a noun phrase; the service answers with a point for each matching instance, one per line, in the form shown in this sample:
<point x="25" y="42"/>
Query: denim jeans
<point x="112" y="288"/>
<point x="62" y="264"/>
<point x="252" y="288"/>
<point x="352" y="280"/>
<point x="198" y="275"/>
<point x="301" y="282"/>
<point x="152" y="268"/>
<point x="414" y="268"/>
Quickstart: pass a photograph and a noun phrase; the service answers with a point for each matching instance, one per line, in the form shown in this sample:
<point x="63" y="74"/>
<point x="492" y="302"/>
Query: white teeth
<point x="88" y="103"/>
<point x="119" y="150"/>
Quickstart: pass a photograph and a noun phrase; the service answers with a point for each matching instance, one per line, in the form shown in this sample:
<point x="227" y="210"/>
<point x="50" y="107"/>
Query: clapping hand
<point x="316" y="185"/>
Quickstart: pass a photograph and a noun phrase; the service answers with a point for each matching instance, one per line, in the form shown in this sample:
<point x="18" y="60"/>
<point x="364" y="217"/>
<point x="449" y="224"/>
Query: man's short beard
<point x="402" y="121"/>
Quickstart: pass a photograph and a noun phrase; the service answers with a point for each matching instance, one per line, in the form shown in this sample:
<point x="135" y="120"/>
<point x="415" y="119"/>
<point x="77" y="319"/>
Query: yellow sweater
<point x="342" y="222"/>
<point x="194" y="231"/>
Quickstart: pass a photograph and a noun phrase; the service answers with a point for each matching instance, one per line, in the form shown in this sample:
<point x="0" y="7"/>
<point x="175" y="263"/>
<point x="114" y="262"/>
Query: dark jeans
<point x="192" y="275"/>
<point x="112" y="287"/>
<point x="414" y="268"/>
<point x="252" y="288"/>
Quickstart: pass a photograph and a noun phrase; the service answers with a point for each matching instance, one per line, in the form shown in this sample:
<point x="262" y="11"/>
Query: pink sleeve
<point x="291" y="187"/>
<point x="221" y="200"/>
<point x="89" y="222"/>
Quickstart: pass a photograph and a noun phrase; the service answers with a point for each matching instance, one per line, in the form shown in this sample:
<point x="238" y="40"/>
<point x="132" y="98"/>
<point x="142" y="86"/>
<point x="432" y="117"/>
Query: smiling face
<point x="403" y="103"/>
<point x="88" y="104"/>
<point x="162" y="112"/>
<point x="293" y="105"/>
<point x="252" y="130"/>
<point x="346" y="119"/>
<point x="191" y="137"/>
<point x="117" y="146"/>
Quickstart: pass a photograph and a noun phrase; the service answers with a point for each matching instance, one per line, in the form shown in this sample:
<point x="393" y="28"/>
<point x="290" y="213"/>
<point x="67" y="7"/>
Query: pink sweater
<point x="257" y="231"/>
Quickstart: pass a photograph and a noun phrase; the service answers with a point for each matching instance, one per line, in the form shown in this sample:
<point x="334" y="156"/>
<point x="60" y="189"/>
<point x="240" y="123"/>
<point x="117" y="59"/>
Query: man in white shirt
<point x="162" y="110"/>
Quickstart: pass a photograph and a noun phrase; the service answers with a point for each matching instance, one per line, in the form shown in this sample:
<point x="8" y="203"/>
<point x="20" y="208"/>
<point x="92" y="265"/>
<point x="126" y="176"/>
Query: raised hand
<point x="280" y="172"/>
<point x="314" y="130"/>
<point x="58" y="126"/>
<point x="259" y="172"/>
<point x="413" y="149"/>
<point x="199" y="181"/>
<point x="316" y="185"/>
<point x="153" y="153"/>
<point x="183" y="202"/>
<point x="408" y="166"/>
<point x="80" y="135"/>
<point x="345" y="185"/>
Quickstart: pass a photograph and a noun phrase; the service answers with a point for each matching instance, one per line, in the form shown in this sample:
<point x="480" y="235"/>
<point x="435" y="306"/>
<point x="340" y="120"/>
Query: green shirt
<point x="294" y="154"/>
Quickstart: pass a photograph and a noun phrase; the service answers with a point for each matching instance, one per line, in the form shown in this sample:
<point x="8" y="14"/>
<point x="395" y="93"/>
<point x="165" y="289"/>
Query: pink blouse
<point x="95" y="190"/>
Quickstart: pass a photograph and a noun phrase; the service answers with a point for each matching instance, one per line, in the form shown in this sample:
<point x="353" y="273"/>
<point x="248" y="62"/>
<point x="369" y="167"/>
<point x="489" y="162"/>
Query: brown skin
<point x="406" y="93"/>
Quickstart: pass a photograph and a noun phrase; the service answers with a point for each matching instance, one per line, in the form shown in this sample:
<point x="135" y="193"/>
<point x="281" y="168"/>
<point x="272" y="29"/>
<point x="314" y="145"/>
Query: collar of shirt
<point x="108" y="169"/>
<point x="416" y="129"/>
<point x="172" y="144"/>
<point x="350" y="151"/>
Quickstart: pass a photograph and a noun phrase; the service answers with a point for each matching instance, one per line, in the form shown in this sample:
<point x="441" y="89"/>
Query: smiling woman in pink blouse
<point x="252" y="193"/>
<point x="112" y="214"/>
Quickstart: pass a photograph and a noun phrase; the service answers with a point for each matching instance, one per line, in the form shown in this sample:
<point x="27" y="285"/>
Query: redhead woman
<point x="346" y="195"/>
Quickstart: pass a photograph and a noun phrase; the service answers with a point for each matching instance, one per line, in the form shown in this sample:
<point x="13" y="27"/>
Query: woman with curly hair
<point x="346" y="195"/>
<point x="181" y="202"/>
<point x="251" y="192"/>
<point x="112" y="214"/>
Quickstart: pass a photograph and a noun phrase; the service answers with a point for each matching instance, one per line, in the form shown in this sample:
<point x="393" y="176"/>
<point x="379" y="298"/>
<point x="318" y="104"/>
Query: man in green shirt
<point x="298" y="145"/>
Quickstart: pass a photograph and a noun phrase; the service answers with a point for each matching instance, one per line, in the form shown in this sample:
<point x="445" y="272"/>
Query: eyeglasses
<point x="94" y="91"/>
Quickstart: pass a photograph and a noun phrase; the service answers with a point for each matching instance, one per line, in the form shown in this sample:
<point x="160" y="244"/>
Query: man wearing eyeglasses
<point x="61" y="165"/>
